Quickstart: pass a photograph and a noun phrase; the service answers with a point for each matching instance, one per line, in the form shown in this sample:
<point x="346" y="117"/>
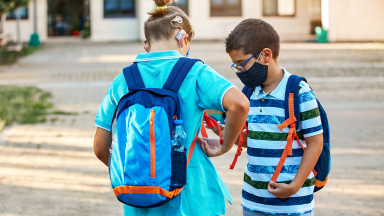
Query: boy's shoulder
<point x="303" y="85"/>
<point x="118" y="83"/>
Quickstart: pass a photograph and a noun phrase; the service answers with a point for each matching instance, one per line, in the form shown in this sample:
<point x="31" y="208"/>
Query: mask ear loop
<point x="259" y="57"/>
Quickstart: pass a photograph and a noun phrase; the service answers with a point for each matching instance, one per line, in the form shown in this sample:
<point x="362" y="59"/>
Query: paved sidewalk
<point x="50" y="168"/>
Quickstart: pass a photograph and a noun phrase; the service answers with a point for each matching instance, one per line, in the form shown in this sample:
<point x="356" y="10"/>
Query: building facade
<point x="123" y="20"/>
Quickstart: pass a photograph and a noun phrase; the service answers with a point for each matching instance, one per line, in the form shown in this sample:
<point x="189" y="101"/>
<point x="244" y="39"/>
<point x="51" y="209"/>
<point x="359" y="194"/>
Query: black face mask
<point x="255" y="76"/>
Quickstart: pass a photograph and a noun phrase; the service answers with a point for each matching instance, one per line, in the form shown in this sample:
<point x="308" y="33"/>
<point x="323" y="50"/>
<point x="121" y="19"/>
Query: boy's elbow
<point x="100" y="153"/>
<point x="97" y="151"/>
<point x="242" y="106"/>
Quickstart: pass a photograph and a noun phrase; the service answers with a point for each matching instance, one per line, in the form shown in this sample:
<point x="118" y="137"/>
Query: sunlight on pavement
<point x="47" y="136"/>
<point x="340" y="151"/>
<point x="13" y="215"/>
<point x="329" y="206"/>
<point x="50" y="179"/>
<point x="107" y="59"/>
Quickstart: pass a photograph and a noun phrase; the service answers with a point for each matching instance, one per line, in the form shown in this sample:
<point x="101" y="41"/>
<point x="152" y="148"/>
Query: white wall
<point x="143" y="7"/>
<point x="112" y="29"/>
<point x="289" y="28"/>
<point x="26" y="25"/>
<point x="356" y="20"/>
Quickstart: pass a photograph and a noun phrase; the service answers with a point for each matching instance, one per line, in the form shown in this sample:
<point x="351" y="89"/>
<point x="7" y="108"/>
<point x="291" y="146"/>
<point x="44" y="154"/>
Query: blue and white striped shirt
<point x="266" y="144"/>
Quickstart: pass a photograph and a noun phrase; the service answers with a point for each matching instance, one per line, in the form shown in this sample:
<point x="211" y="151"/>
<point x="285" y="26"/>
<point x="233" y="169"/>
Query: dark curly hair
<point x="252" y="35"/>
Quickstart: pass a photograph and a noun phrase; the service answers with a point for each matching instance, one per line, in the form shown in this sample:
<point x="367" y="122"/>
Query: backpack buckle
<point x="287" y="122"/>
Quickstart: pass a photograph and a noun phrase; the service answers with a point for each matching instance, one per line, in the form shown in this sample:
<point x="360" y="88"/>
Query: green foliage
<point x="9" y="5"/>
<point x="10" y="57"/>
<point x="6" y="5"/>
<point x="87" y="30"/>
<point x="25" y="105"/>
<point x="59" y="112"/>
<point x="20" y="3"/>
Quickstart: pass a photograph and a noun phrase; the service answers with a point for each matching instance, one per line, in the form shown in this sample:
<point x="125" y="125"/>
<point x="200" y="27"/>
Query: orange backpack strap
<point x="210" y="123"/>
<point x="203" y="131"/>
<point x="292" y="119"/>
<point x="287" y="151"/>
<point x="191" y="148"/>
<point x="239" y="147"/>
<point x="291" y="136"/>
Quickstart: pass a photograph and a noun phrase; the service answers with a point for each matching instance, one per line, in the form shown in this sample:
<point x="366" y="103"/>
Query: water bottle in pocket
<point x="179" y="155"/>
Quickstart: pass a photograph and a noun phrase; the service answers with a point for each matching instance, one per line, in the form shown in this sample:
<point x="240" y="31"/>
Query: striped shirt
<point x="266" y="144"/>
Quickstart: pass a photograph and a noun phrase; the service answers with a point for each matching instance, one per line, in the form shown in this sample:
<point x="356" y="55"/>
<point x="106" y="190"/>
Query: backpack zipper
<point x="152" y="143"/>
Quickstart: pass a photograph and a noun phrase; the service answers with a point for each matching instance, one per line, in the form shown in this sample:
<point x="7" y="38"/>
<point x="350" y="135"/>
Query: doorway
<point x="67" y="17"/>
<point x="315" y="14"/>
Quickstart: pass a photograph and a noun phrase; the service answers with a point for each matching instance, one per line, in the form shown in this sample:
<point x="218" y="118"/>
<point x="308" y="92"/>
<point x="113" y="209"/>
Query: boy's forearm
<point x="234" y="123"/>
<point x="237" y="106"/>
<point x="101" y="145"/>
<point x="245" y="139"/>
<point x="308" y="162"/>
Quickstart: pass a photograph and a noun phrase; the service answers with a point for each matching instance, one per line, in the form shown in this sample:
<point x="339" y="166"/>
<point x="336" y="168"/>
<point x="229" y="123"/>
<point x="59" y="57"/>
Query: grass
<point x="10" y="57"/>
<point x="59" y="112"/>
<point x="25" y="105"/>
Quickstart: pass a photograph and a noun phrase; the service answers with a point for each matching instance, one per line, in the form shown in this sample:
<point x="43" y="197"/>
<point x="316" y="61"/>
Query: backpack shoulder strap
<point x="248" y="92"/>
<point x="178" y="74"/>
<point x="293" y="87"/>
<point x="133" y="77"/>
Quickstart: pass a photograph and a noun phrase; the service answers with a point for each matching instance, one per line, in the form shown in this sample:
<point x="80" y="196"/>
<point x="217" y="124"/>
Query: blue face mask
<point x="187" y="53"/>
<point x="255" y="76"/>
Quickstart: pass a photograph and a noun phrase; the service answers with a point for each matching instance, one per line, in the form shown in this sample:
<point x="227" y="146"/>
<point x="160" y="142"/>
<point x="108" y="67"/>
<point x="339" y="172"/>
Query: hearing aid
<point x="181" y="35"/>
<point x="146" y="48"/>
<point x="177" y="19"/>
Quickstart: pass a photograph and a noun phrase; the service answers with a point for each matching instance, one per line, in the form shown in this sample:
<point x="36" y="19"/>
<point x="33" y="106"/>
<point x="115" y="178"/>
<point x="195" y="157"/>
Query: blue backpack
<point x="145" y="171"/>
<point x="323" y="165"/>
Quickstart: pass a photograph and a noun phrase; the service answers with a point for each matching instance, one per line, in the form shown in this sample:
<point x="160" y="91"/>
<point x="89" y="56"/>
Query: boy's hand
<point x="211" y="147"/>
<point x="282" y="190"/>
<point x="214" y="129"/>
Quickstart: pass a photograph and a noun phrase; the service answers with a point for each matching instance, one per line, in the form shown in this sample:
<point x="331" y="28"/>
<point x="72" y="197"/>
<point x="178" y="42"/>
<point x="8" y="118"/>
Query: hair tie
<point x="161" y="7"/>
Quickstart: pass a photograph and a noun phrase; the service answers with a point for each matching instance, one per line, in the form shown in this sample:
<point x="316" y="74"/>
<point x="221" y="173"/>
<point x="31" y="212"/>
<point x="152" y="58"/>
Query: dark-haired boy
<point x="254" y="48"/>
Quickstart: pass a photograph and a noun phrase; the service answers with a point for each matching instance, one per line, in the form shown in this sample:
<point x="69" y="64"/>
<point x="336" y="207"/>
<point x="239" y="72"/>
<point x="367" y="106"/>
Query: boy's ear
<point x="146" y="46"/>
<point x="267" y="55"/>
<point x="183" y="41"/>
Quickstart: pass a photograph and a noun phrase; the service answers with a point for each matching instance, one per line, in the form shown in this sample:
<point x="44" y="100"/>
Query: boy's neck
<point x="274" y="77"/>
<point x="158" y="47"/>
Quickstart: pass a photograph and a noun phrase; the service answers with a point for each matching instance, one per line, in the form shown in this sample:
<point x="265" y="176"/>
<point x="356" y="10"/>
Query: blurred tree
<point x="20" y="3"/>
<point x="5" y="6"/>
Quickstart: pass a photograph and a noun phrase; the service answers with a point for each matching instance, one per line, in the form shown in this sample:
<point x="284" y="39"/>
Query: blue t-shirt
<point x="203" y="88"/>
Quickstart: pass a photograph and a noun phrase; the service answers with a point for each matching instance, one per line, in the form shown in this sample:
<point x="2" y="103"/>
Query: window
<point x="279" y="7"/>
<point x="183" y="4"/>
<point x="23" y="12"/>
<point x="225" y="7"/>
<point x="119" y="8"/>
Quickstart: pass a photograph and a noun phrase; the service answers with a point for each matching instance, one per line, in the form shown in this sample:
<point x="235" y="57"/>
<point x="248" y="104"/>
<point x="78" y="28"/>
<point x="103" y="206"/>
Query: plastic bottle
<point x="178" y="137"/>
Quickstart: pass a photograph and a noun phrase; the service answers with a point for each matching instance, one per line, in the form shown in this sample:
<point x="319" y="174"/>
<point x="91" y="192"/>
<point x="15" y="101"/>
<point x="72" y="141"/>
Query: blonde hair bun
<point x="161" y="8"/>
